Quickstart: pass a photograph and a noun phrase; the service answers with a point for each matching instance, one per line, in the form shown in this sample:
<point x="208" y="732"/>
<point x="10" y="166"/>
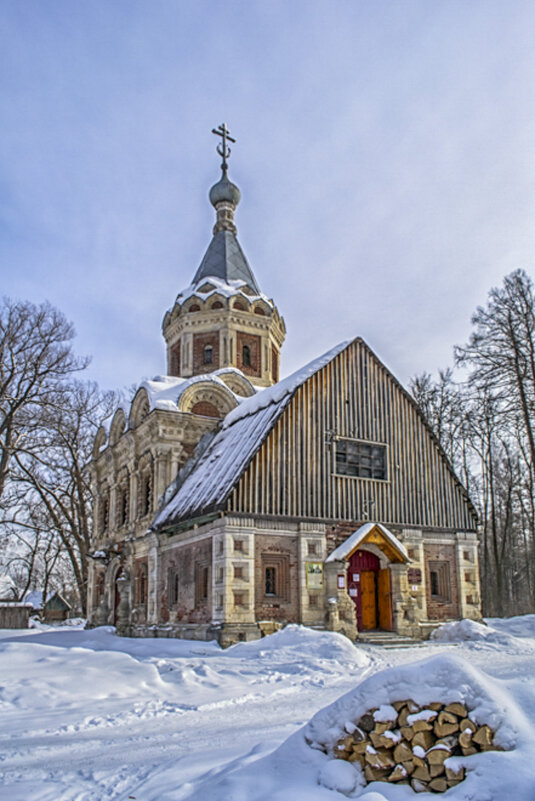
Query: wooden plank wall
<point x="353" y="396"/>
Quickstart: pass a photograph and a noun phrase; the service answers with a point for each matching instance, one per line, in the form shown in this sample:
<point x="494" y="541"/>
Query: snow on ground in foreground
<point x="88" y="716"/>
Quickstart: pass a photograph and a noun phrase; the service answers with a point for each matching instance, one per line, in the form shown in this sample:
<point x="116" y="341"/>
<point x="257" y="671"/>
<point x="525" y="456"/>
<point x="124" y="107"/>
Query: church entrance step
<point x="386" y="639"/>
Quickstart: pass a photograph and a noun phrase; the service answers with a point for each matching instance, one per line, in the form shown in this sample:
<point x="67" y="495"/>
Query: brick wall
<point x="281" y="554"/>
<point x="253" y="343"/>
<point x="200" y="341"/>
<point x="186" y="560"/>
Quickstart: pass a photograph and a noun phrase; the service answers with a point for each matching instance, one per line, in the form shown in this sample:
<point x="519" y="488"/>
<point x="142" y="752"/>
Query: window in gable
<point x="360" y="459"/>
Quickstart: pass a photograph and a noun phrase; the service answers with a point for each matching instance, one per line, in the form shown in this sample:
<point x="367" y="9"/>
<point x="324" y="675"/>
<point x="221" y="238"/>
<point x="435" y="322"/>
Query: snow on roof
<point x="287" y="386"/>
<point x="222" y="456"/>
<point x="228" y="289"/>
<point x="353" y="541"/>
<point x="164" y="392"/>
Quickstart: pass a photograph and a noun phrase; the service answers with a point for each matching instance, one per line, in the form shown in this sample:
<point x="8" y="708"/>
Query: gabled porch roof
<point x="373" y="534"/>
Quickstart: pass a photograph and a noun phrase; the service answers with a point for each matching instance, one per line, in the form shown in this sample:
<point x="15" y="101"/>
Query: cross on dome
<point x="222" y="148"/>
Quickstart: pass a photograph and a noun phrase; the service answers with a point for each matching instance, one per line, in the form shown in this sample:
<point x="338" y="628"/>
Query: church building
<point x="229" y="503"/>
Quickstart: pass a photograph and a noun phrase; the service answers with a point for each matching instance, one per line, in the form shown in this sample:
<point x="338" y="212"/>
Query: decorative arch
<point x="140" y="408"/>
<point x="193" y="307"/>
<point x="100" y="442"/>
<point x="237" y="383"/>
<point x="240" y="305"/>
<point x="118" y="426"/>
<point x="207" y="392"/>
<point x="262" y="308"/>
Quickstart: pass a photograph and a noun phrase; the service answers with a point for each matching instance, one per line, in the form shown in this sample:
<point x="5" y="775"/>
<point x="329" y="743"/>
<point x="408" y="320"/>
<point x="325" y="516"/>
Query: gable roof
<point x="226" y="260"/>
<point x="205" y="482"/>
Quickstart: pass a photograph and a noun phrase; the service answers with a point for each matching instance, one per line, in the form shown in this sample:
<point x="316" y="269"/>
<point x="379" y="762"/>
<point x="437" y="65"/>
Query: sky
<point x="385" y="154"/>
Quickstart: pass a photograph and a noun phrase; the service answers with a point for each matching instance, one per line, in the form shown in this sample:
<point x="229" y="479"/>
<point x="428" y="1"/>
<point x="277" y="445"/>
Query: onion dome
<point x="224" y="191"/>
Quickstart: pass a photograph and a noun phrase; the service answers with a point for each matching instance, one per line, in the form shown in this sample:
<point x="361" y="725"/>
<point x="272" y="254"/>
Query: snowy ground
<point x="87" y="716"/>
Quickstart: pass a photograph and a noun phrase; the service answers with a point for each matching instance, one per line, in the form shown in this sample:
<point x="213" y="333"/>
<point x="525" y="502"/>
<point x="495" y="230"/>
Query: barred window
<point x="360" y="459"/>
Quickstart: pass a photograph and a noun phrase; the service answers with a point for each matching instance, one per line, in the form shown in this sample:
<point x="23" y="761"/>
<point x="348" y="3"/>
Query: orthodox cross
<point x="223" y="149"/>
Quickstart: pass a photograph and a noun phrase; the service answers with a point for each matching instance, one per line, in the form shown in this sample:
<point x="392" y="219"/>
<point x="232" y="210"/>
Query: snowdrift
<point x="303" y="766"/>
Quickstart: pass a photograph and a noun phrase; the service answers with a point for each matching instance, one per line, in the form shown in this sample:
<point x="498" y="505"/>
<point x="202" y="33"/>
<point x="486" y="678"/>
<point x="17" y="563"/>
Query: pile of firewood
<point x="406" y="743"/>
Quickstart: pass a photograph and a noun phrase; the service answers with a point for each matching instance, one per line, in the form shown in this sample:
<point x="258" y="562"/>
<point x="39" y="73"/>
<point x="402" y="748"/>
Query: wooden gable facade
<point x="353" y="399"/>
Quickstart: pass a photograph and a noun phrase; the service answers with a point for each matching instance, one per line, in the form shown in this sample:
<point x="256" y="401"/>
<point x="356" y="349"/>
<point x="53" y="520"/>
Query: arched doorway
<point x="369" y="588"/>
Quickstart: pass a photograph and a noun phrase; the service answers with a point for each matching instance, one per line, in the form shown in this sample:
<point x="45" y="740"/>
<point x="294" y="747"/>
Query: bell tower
<point x="223" y="319"/>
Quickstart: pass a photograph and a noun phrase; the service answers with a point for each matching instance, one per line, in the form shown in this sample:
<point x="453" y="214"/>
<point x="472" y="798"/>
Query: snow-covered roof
<point x="354" y="540"/>
<point x="205" y="482"/>
<point x="165" y="392"/>
<point x="226" y="288"/>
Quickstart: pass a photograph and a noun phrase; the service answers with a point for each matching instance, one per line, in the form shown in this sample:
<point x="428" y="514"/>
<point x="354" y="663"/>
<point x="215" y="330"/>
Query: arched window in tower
<point x="238" y="305"/>
<point x="246" y="356"/>
<point x="208" y="354"/>
<point x="194" y="308"/>
<point x="217" y="305"/>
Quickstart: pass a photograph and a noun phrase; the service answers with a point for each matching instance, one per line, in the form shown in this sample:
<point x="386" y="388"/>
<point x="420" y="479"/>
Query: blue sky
<point x="385" y="154"/>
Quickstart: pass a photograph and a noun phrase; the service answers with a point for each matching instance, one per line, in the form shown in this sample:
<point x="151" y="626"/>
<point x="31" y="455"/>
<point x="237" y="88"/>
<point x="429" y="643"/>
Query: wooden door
<point x="368" y="599"/>
<point x="384" y="599"/>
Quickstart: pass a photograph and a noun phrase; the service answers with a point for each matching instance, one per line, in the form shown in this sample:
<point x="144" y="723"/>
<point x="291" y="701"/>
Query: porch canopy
<point x="372" y="534"/>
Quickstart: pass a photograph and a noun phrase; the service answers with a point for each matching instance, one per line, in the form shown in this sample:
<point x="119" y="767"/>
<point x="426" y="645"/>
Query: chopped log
<point x="409" y="766"/>
<point x="436" y="706"/>
<point x="457" y="709"/>
<point x="346" y="742"/>
<point x="436" y="770"/>
<point x="418" y="786"/>
<point x="358" y="735"/>
<point x="467" y="724"/>
<point x="421" y="773"/>
<point x="398" y="705"/>
<point x="438" y="785"/>
<point x="381" y="760"/>
<point x="380" y="741"/>
<point x="402" y="752"/>
<point x="407" y="732"/>
<point x="465" y="738"/>
<point x="354" y="757"/>
<point x="421" y="725"/>
<point x="451" y="742"/>
<point x="360" y="748"/>
<point x="437" y="756"/>
<point x="398" y="774"/>
<point x="382" y="726"/>
<point x="373" y="774"/>
<point x="366" y="723"/>
<point x="423" y="738"/>
<point x="469" y="751"/>
<point x="483" y="737"/>
<point x="455" y="775"/>
<point x="403" y="715"/>
<point x="445" y="724"/>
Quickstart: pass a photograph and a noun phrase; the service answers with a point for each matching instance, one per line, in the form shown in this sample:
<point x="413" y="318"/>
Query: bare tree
<point x="50" y="475"/>
<point x="35" y="359"/>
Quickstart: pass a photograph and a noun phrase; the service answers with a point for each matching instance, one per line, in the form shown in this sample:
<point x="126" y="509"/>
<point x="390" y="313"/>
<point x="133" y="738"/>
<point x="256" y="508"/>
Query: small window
<point x="312" y="549"/>
<point x="271" y="580"/>
<point x="201" y="584"/>
<point x="172" y="587"/>
<point x="238" y="572"/>
<point x="217" y="305"/>
<point x="439" y="581"/>
<point x="238" y="599"/>
<point x="360" y="459"/>
<point x="208" y="354"/>
<point x="246" y="356"/>
<point x="239" y="306"/>
<point x="194" y="308"/>
<point x="238" y="545"/>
